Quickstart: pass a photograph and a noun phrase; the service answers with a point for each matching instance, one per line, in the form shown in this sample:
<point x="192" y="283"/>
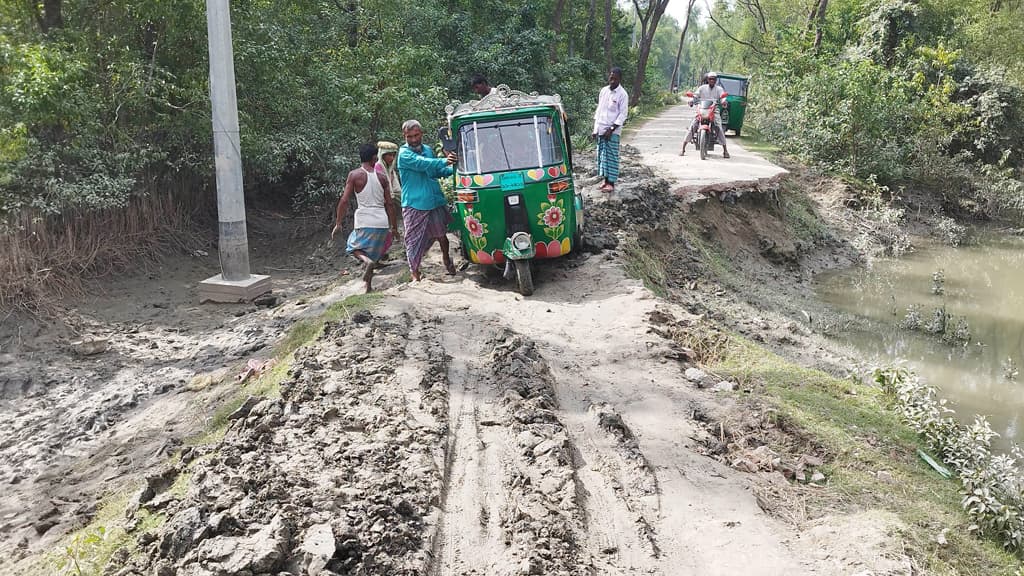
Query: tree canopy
<point x="100" y="101"/>
<point x="906" y="93"/>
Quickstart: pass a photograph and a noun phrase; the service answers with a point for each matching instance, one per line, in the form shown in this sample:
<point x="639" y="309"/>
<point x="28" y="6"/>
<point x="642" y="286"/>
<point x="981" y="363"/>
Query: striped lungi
<point x="608" y="157"/>
<point x="422" y="227"/>
<point x="373" y="242"/>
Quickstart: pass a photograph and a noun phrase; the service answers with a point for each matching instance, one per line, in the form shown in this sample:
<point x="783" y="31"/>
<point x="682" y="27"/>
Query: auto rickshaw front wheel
<point x="524" y="277"/>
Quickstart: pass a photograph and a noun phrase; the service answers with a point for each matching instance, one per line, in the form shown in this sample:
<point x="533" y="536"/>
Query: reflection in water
<point x="983" y="284"/>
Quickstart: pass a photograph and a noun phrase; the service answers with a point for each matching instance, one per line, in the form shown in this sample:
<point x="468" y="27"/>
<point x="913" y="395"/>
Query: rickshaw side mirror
<point x="444" y="135"/>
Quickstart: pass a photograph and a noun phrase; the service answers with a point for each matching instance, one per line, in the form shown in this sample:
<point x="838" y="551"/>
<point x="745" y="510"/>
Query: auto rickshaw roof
<point x="732" y="76"/>
<point x="503" y="99"/>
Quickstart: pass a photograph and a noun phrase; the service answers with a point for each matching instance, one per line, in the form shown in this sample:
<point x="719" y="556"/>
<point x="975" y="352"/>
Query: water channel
<point x="983" y="284"/>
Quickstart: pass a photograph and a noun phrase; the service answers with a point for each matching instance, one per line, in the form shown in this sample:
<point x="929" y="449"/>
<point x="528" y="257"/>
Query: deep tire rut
<point x="510" y="504"/>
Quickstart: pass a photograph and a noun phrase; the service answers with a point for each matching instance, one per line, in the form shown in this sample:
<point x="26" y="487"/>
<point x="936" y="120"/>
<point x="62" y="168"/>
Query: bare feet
<point x="368" y="276"/>
<point x="682" y="152"/>
<point x="416" y="276"/>
<point x="449" y="266"/>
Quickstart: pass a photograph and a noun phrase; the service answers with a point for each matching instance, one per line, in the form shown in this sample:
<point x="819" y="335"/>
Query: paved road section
<point x="660" y="138"/>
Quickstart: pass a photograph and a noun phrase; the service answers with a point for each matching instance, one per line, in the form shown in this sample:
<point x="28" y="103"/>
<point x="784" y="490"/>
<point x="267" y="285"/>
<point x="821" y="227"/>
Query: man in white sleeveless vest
<point x="376" y="221"/>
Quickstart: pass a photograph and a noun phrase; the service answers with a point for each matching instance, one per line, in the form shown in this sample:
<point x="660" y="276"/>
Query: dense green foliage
<point x="100" y="101"/>
<point x="990" y="482"/>
<point x="924" y="94"/>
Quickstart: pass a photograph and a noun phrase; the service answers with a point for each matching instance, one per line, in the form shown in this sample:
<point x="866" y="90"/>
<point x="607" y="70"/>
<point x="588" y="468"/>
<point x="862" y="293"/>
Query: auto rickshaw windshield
<point x="733" y="86"/>
<point x="501" y="145"/>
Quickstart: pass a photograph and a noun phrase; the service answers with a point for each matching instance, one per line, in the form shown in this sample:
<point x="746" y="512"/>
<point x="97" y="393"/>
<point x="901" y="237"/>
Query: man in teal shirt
<point x="424" y="208"/>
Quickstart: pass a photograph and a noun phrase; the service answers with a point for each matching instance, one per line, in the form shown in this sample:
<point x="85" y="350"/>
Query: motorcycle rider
<point x="709" y="91"/>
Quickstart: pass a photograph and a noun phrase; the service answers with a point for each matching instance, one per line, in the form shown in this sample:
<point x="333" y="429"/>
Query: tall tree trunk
<point x="352" y="8"/>
<point x="588" y="36"/>
<point x="648" y="26"/>
<point x="682" y="39"/>
<point x="822" y="6"/>
<point x="556" y="26"/>
<point x="50" y="16"/>
<point x="607" y="35"/>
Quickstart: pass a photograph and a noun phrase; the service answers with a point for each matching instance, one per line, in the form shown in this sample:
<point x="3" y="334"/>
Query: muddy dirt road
<point x="455" y="428"/>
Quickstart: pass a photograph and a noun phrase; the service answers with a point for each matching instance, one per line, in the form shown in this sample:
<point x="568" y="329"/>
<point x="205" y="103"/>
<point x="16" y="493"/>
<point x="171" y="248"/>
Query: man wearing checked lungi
<point x="376" y="221"/>
<point x="612" y="109"/>
<point x="424" y="208"/>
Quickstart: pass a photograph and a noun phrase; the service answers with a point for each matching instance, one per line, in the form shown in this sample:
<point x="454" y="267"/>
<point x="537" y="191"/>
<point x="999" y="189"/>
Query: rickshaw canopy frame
<point x="504" y="99"/>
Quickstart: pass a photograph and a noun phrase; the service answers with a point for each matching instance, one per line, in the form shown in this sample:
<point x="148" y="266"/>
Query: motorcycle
<point x="705" y="138"/>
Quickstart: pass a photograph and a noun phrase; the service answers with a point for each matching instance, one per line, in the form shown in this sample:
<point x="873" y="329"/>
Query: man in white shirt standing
<point x="709" y="91"/>
<point x="612" y="108"/>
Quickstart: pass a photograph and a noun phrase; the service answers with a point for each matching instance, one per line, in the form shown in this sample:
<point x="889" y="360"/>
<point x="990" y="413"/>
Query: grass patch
<point x="640" y="263"/>
<point x="862" y="436"/>
<point x="799" y="215"/>
<point x="351" y="305"/>
<point x="86" y="551"/>
<point x="711" y="254"/>
<point x="301" y="333"/>
<point x="268" y="384"/>
<point x="754" y="141"/>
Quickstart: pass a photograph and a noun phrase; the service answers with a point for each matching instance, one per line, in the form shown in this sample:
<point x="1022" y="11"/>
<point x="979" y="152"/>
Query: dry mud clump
<point x="342" y="473"/>
<point x="348" y="471"/>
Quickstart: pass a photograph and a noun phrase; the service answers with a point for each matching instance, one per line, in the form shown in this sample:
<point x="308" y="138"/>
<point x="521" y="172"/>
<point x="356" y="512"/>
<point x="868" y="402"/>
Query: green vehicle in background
<point x="736" y="87"/>
<point x="515" y="200"/>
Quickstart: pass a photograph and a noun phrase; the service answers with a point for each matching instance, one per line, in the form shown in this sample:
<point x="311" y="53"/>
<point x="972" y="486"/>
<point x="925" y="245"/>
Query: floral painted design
<point x="477" y="230"/>
<point x="552" y="218"/>
<point x="474" y="226"/>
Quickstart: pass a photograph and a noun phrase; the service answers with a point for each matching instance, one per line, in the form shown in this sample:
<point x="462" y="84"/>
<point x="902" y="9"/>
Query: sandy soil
<point x="456" y="429"/>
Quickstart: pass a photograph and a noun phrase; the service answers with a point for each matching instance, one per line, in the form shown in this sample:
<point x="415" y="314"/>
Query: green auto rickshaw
<point x="515" y="200"/>
<point x="736" y="87"/>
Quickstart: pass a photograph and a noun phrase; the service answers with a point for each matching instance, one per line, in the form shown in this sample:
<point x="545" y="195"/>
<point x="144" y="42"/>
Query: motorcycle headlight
<point x="521" y="241"/>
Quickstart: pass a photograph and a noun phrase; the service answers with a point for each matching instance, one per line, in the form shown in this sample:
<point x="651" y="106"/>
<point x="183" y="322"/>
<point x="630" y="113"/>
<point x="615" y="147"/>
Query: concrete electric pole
<point x="234" y="283"/>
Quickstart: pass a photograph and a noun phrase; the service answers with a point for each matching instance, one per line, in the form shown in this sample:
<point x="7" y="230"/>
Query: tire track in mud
<point x="473" y="469"/>
<point x="511" y="499"/>
<point x="620" y="496"/>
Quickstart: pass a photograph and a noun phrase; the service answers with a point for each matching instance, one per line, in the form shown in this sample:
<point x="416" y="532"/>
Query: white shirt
<point x="612" y="109"/>
<point x="371" y="212"/>
<point x="706" y="92"/>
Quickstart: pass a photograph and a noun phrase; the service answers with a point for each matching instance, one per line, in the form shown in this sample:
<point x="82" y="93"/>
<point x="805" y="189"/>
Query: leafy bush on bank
<point x="904" y="102"/>
<point x="992" y="485"/>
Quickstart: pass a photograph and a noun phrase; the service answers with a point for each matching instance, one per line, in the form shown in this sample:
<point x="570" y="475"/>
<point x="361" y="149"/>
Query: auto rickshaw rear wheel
<point x="524" y="277"/>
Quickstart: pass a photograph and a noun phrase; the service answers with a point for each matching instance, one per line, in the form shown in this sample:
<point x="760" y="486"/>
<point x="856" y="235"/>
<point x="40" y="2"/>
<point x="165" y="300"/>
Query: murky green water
<point x="984" y="284"/>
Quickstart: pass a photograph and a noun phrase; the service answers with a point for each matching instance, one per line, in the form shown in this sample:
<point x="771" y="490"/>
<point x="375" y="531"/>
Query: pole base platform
<point x="217" y="289"/>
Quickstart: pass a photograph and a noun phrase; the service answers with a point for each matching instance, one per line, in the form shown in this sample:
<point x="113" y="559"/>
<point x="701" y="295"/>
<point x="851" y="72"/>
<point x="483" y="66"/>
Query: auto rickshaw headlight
<point x="521" y="241"/>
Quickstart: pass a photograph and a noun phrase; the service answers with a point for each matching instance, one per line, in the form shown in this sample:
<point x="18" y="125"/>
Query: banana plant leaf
<point x="942" y="470"/>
